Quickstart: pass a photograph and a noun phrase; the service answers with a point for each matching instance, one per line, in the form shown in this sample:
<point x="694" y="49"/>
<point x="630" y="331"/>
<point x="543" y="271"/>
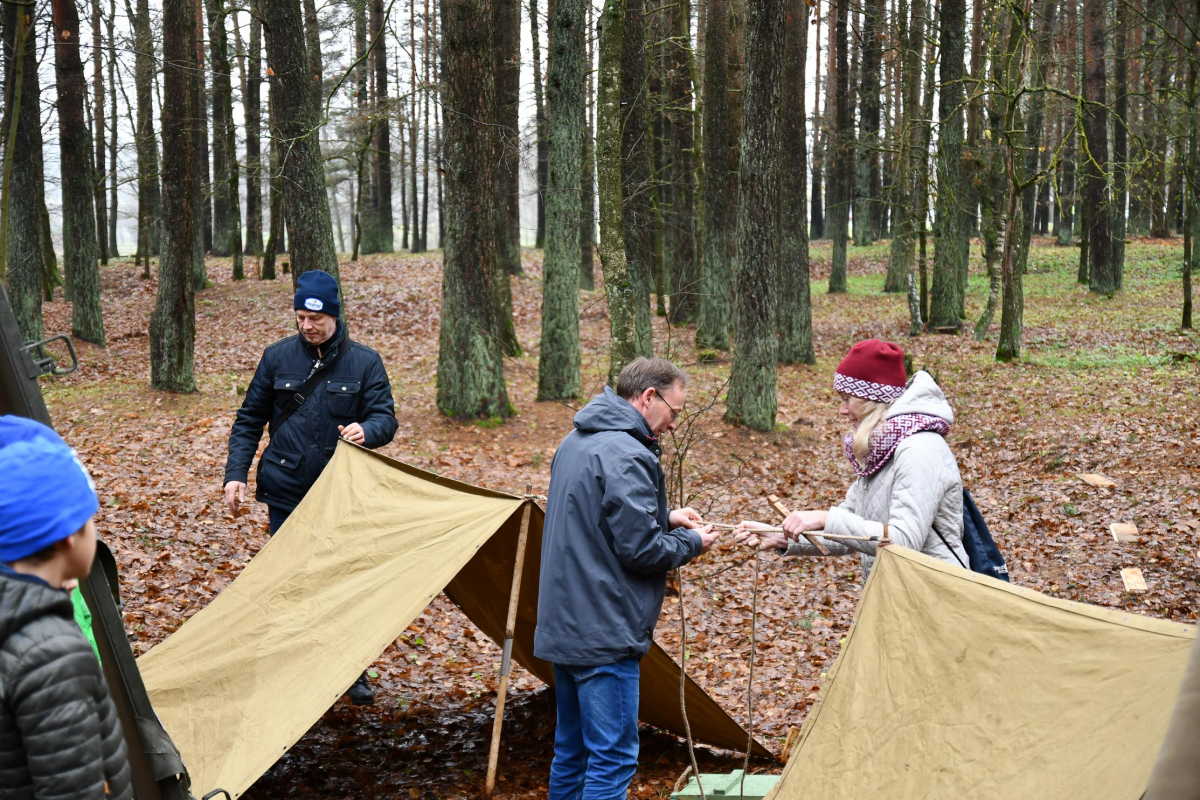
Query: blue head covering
<point x="45" y="492"/>
<point x="316" y="290"/>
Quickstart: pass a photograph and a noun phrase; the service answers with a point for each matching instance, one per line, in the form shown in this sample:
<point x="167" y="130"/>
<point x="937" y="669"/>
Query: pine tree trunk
<point x="620" y="285"/>
<point x="508" y="163"/>
<point x="868" y="144"/>
<point x="679" y="235"/>
<point x="816" y="208"/>
<point x="204" y="195"/>
<point x="80" y="246"/>
<point x="587" y="179"/>
<point x="21" y="270"/>
<point x="720" y="186"/>
<point x="635" y="166"/>
<point x="252" y="105"/>
<point x="910" y="158"/>
<point x="310" y="229"/>
<point x="225" y="174"/>
<point x="950" y="229"/>
<point x="149" y="191"/>
<point x="1066" y="191"/>
<point x="173" y="323"/>
<point x="418" y="243"/>
<point x="535" y="25"/>
<point x="98" y="120"/>
<point x="382" y="222"/>
<point x="1192" y="263"/>
<point x="113" y="199"/>
<point x="1095" y="146"/>
<point x="558" y="363"/>
<point x="795" y="300"/>
<point x="470" y="376"/>
<point x="752" y="398"/>
<point x="274" y="193"/>
<point x="312" y="44"/>
<point x="425" y="132"/>
<point x="1035" y="123"/>
<point x="1120" y="144"/>
<point x="838" y="195"/>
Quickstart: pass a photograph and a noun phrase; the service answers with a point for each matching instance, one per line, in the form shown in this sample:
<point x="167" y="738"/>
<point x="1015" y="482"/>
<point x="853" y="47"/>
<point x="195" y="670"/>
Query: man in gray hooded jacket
<point x="607" y="545"/>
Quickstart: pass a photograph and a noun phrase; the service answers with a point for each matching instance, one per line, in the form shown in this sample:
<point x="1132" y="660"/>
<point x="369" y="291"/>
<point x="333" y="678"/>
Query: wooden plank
<point x="1123" y="532"/>
<point x="781" y="509"/>
<point x="1134" y="582"/>
<point x="1097" y="480"/>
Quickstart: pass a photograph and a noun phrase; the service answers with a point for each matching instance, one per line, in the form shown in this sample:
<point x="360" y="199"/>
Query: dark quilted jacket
<point x="60" y="738"/>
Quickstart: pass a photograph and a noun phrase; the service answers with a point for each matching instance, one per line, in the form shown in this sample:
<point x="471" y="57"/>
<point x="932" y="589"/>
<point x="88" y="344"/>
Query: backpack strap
<point x="319" y="368"/>
<point x="948" y="547"/>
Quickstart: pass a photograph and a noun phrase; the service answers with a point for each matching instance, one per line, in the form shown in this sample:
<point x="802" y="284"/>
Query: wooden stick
<point x="841" y="537"/>
<point x="783" y="512"/>
<point x="510" y="627"/>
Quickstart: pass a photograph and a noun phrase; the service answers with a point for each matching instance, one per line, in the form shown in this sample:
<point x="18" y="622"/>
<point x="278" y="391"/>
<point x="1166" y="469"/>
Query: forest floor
<point x="1105" y="385"/>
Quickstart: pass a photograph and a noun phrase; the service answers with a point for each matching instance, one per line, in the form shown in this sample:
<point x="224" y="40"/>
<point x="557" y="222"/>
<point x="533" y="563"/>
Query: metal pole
<point x="509" y="632"/>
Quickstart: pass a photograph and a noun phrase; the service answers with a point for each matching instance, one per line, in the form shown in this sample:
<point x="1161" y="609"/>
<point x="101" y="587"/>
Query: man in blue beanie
<point x="59" y="732"/>
<point x="309" y="390"/>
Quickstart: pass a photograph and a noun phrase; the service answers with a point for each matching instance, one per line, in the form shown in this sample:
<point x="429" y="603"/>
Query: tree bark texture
<point x="310" y="229"/>
<point x="1192" y="263"/>
<point x="149" y="191"/>
<point x="752" y="398"/>
<point x="1066" y="190"/>
<point x="637" y="188"/>
<point x="1120" y="127"/>
<point x="204" y="198"/>
<point x="227" y="214"/>
<point x="173" y="323"/>
<point x="1103" y="279"/>
<point x="720" y="186"/>
<point x="1043" y="31"/>
<point x="900" y="254"/>
<point x="950" y="230"/>
<point x="679" y="218"/>
<point x="840" y="151"/>
<point x="508" y="164"/>
<point x="23" y="258"/>
<point x="470" y="365"/>
<point x="866" y="211"/>
<point x="543" y="144"/>
<point x="80" y="247"/>
<point x="381" y="223"/>
<point x="98" y="121"/>
<point x="620" y="285"/>
<point x="587" y="180"/>
<point x="110" y="24"/>
<point x="816" y="206"/>
<point x="558" y="363"/>
<point x="418" y="238"/>
<point x="253" y="111"/>
<point x="312" y="43"/>
<point x="795" y="301"/>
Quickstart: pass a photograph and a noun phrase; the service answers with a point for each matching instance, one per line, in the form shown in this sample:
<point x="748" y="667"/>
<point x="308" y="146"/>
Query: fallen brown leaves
<point x="1102" y="390"/>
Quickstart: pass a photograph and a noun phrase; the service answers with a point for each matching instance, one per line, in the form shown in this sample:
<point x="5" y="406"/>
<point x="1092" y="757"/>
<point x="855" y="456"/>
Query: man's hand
<point x="352" y="433"/>
<point x="686" y="518"/>
<point x="235" y="495"/>
<point x="753" y="534"/>
<point x="708" y="537"/>
<point x="799" y="522"/>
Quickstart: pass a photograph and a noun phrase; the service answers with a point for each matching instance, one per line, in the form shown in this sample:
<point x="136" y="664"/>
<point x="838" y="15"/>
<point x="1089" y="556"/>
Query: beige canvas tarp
<point x="954" y="685"/>
<point x="373" y="542"/>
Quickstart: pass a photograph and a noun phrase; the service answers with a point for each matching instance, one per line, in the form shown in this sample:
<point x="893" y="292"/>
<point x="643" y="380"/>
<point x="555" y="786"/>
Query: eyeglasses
<point x="674" y="411"/>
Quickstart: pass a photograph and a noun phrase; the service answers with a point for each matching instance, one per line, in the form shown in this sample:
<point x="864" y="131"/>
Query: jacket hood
<point x="923" y="396"/>
<point x="609" y="411"/>
<point x="24" y="599"/>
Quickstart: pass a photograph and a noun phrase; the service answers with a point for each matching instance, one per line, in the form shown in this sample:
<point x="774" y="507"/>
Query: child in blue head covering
<point x="59" y="732"/>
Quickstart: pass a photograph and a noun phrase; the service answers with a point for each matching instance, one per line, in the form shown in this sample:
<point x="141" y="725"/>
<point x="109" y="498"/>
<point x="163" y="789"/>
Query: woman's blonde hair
<point x="873" y="412"/>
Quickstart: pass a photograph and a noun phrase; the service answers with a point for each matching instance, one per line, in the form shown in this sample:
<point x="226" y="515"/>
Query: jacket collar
<point x="328" y="347"/>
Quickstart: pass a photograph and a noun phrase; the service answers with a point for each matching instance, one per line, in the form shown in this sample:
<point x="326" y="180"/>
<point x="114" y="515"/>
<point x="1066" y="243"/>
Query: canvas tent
<point x="954" y="685"/>
<point x="373" y="542"/>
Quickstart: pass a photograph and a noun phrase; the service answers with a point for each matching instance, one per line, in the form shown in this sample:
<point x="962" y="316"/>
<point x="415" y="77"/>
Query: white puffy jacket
<point x="918" y="488"/>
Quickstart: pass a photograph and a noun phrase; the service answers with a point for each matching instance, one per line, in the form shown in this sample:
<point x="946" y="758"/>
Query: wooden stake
<point x="509" y="633"/>
<point x="783" y="512"/>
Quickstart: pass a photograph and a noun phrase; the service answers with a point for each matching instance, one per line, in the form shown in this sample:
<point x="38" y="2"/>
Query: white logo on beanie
<point x="313" y="304"/>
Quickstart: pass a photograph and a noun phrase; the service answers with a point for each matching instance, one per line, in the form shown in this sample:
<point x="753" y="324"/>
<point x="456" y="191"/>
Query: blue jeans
<point x="276" y="517"/>
<point x="596" y="738"/>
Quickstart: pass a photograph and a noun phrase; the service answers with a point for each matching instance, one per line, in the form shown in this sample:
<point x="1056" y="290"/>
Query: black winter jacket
<point x="355" y="389"/>
<point x="60" y="738"/>
<point x="606" y="542"/>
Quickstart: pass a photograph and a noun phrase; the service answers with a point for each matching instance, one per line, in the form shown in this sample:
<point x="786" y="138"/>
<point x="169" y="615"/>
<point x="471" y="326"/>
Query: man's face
<point x="315" y="326"/>
<point x="661" y="409"/>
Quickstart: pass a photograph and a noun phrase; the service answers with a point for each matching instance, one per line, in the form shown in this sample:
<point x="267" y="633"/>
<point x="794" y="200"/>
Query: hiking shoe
<point x="360" y="692"/>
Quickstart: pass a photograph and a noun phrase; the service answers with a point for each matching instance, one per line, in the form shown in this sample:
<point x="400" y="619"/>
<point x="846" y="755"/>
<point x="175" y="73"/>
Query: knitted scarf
<point x="888" y="435"/>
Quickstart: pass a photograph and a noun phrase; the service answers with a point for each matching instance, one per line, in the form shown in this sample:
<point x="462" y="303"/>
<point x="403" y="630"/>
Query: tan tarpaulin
<point x="373" y="542"/>
<point x="953" y="685"/>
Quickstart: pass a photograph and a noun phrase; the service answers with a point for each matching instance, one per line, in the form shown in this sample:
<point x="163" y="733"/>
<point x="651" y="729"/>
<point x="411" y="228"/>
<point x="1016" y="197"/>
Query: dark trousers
<point x="277" y="517"/>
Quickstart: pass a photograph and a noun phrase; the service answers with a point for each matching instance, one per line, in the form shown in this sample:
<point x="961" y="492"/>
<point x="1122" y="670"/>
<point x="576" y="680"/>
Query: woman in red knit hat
<point x="908" y="488"/>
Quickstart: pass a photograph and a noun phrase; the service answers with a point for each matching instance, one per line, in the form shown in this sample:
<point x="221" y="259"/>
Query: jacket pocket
<point x="284" y="384"/>
<point x="281" y="458"/>
<point x="343" y="397"/>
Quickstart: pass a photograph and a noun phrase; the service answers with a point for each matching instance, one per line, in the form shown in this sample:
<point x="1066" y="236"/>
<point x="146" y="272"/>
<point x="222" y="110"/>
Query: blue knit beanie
<point x="316" y="290"/>
<point x="45" y="493"/>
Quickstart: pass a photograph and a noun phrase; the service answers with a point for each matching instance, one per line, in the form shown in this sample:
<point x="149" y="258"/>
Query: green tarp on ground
<point x="954" y="685"/>
<point x="373" y="542"/>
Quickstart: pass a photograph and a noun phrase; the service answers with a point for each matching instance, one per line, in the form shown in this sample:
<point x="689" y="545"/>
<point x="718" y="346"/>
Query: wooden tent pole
<point x="783" y="512"/>
<point x="510" y="627"/>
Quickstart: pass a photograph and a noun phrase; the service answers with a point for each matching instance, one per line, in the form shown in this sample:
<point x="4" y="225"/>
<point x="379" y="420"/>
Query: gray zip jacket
<point x="606" y="543"/>
<point x="918" y="488"/>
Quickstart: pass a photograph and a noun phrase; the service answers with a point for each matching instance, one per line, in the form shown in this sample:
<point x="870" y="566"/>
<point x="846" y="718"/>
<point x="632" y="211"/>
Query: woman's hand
<point x="799" y="522"/>
<point x="752" y="534"/>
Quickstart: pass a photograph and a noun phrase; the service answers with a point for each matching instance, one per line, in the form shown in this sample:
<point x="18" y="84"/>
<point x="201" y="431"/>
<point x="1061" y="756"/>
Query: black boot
<point x="360" y="692"/>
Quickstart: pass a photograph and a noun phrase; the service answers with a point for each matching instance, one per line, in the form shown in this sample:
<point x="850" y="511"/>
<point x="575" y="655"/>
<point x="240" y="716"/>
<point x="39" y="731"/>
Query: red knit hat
<point x="872" y="370"/>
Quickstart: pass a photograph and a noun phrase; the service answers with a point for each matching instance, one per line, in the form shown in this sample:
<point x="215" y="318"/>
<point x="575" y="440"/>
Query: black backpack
<point x="977" y="540"/>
